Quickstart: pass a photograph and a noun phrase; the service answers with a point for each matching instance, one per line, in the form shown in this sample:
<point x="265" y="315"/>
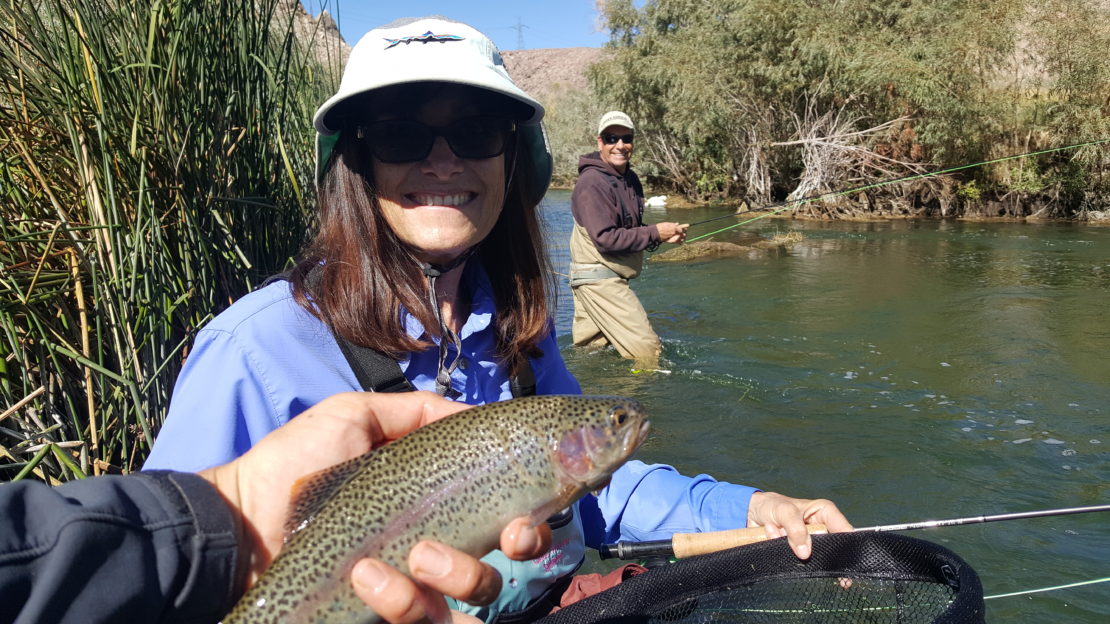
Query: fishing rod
<point x="786" y="205"/>
<point x="682" y="545"/>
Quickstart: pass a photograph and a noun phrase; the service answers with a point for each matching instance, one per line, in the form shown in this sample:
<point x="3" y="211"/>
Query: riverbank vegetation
<point x="772" y="100"/>
<point x="155" y="164"/>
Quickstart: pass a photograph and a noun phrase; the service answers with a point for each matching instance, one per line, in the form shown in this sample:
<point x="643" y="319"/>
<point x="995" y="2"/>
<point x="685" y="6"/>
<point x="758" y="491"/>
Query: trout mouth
<point x="635" y="437"/>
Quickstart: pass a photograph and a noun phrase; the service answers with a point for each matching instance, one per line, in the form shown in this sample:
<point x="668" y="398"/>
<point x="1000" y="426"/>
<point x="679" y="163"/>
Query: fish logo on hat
<point x="427" y="37"/>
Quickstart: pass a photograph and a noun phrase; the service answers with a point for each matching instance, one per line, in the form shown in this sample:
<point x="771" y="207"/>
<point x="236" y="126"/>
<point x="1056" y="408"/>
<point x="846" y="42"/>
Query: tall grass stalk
<point x="155" y="164"/>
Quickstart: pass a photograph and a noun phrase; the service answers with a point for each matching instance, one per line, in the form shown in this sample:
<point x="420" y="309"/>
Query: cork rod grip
<point x="691" y="544"/>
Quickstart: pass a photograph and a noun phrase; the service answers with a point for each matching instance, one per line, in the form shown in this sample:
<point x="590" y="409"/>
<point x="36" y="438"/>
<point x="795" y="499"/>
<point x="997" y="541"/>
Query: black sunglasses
<point x="611" y="139"/>
<point x="404" y="140"/>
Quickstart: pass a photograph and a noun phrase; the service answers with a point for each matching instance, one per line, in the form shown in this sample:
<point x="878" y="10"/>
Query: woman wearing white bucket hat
<point x="428" y="272"/>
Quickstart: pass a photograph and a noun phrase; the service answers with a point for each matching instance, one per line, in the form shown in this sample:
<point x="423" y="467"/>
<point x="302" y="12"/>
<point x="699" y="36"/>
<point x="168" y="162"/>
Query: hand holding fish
<point x="461" y="481"/>
<point x="782" y="515"/>
<point x="340" y="428"/>
<point x="443" y="571"/>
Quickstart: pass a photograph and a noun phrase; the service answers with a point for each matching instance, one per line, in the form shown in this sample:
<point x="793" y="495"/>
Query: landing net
<point x="851" y="578"/>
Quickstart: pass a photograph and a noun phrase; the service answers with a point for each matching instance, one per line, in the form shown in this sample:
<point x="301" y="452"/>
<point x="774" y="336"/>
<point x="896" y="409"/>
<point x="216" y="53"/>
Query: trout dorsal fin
<point x="311" y="492"/>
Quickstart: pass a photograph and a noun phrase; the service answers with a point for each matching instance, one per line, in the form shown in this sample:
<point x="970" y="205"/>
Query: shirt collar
<point x="482" y="304"/>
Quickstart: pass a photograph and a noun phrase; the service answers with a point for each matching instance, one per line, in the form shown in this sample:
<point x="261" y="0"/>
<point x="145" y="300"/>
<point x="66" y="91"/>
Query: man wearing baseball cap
<point x="607" y="246"/>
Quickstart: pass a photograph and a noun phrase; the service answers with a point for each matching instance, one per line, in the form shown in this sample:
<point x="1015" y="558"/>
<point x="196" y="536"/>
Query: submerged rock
<point x="718" y="249"/>
<point x="701" y="249"/>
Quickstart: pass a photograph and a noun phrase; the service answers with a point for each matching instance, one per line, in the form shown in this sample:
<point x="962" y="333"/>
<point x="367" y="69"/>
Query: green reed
<point x="155" y="164"/>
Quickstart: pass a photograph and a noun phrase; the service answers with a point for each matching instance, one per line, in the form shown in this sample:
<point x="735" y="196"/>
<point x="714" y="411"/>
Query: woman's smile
<point x="453" y="200"/>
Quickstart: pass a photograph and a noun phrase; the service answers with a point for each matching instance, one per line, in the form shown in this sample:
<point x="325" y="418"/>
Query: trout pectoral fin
<point x="601" y="486"/>
<point x="311" y="492"/>
<point x="564" y="498"/>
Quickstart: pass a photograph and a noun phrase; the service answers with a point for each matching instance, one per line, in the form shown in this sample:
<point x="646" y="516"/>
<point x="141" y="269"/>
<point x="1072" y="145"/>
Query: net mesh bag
<point x="850" y="578"/>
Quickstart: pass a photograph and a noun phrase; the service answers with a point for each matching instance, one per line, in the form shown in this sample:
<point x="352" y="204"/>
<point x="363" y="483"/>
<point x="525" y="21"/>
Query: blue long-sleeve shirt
<point x="266" y="359"/>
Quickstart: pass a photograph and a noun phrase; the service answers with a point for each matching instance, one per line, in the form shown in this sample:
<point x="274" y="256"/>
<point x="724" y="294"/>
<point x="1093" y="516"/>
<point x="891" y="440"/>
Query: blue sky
<point x="542" y="23"/>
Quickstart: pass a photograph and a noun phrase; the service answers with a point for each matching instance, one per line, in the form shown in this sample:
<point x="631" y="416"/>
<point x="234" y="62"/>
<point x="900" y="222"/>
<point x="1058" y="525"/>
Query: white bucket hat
<point x="431" y="49"/>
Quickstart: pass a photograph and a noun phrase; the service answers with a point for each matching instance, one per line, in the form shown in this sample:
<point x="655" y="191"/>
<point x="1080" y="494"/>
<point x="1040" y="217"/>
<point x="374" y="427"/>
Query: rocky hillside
<point x="322" y="31"/>
<point x="541" y="72"/>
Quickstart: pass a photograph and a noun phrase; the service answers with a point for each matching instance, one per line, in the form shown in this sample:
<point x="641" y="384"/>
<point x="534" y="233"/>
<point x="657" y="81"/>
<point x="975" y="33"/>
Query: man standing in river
<point x="607" y="246"/>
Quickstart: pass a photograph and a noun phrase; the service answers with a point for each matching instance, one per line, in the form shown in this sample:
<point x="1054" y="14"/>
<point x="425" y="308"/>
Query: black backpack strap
<point x="524" y="382"/>
<point x="280" y="277"/>
<point x="376" y="371"/>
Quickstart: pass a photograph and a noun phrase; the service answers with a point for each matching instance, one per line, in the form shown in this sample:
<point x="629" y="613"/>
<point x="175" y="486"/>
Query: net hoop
<point x="894" y="578"/>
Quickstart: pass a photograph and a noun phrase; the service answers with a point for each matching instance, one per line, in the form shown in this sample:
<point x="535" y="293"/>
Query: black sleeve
<point x="149" y="547"/>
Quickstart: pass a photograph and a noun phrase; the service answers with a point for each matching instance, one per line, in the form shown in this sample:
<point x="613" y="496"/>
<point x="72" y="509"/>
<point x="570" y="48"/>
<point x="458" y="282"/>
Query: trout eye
<point x="618" y="415"/>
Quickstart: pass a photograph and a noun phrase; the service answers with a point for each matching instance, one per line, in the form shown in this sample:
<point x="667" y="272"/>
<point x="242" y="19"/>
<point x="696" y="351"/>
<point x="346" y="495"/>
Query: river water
<point x="907" y="370"/>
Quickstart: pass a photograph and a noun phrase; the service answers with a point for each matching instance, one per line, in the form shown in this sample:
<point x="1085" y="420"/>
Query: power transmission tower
<point x="519" y="33"/>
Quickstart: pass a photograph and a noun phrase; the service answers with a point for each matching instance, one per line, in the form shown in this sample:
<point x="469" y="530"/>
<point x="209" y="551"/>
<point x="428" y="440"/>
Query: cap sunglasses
<point x="405" y="140"/>
<point x="611" y="139"/>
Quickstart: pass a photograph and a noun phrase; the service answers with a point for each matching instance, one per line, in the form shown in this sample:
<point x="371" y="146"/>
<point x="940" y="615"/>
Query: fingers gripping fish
<point x="458" y="481"/>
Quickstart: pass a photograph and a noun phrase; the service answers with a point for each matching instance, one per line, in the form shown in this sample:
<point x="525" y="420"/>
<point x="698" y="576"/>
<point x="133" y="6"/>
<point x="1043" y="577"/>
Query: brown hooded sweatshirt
<point x="608" y="241"/>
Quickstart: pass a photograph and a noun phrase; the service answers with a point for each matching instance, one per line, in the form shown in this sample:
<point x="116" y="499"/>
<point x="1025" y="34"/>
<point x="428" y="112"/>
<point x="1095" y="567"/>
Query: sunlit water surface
<point x="907" y="370"/>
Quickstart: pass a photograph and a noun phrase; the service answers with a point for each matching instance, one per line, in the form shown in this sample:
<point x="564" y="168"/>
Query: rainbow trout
<point x="459" y="481"/>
